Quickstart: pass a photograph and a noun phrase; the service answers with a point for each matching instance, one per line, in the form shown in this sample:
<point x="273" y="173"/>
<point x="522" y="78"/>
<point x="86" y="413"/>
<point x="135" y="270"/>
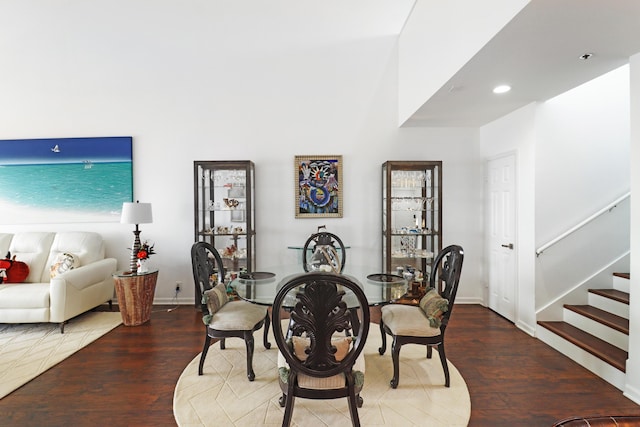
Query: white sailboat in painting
<point x="56" y="149"/>
<point x="88" y="164"/>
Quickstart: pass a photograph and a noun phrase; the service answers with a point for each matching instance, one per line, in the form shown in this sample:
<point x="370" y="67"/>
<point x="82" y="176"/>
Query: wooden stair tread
<point x="610" y="354"/>
<point x="623" y="275"/>
<point x="609" y="319"/>
<point x="613" y="294"/>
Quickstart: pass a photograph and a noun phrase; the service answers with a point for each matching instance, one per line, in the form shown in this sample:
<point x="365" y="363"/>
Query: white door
<point x="501" y="226"/>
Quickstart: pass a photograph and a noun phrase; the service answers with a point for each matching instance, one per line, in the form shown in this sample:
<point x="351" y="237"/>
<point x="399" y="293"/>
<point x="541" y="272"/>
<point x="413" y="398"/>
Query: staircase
<point x="595" y="335"/>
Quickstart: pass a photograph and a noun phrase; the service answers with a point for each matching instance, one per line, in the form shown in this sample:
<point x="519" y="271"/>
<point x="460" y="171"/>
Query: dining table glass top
<point x="261" y="287"/>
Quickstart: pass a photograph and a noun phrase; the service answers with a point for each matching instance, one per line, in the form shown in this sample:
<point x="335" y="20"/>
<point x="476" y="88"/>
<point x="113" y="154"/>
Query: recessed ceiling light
<point x="501" y="89"/>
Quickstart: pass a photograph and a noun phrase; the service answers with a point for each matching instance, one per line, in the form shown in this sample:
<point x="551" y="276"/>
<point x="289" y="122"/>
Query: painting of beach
<point x="65" y="179"/>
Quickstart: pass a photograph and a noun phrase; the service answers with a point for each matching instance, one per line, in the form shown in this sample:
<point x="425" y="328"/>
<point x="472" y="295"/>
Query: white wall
<point x="572" y="161"/>
<point x="582" y="153"/>
<point x="439" y="38"/>
<point x="583" y="143"/>
<point x="632" y="389"/>
<point x="191" y="84"/>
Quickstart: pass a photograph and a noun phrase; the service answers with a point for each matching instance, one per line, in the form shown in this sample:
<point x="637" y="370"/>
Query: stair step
<point x="609" y="319"/>
<point x="613" y="294"/>
<point x="599" y="348"/>
<point x="622" y="282"/>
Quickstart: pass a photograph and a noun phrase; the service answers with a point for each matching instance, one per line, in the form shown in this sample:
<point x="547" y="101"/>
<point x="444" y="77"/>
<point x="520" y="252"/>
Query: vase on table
<point x="142" y="266"/>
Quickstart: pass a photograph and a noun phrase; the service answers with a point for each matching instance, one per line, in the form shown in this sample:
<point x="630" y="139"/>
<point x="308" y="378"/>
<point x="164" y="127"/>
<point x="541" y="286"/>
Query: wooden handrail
<point x="604" y="210"/>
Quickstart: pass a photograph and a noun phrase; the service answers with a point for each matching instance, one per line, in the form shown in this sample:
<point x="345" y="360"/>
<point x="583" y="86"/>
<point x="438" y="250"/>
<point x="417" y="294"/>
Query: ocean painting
<point x="65" y="179"/>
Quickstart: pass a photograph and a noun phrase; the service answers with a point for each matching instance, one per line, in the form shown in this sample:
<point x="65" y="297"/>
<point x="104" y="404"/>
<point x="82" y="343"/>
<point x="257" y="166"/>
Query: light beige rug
<point x="29" y="349"/>
<point x="223" y="396"/>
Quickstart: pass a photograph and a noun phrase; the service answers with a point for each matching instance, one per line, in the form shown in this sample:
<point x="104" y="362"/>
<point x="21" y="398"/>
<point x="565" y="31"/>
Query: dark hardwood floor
<point x="127" y="377"/>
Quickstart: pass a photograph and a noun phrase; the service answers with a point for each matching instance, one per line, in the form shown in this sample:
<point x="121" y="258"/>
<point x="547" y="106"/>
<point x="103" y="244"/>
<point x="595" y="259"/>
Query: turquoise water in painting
<point x="96" y="187"/>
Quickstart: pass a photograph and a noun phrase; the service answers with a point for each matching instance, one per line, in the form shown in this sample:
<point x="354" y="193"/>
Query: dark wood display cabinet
<point x="411" y="217"/>
<point x="224" y="211"/>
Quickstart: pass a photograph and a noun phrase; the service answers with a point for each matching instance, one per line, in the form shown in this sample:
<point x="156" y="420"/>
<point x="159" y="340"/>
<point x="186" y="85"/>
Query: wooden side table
<point x="135" y="296"/>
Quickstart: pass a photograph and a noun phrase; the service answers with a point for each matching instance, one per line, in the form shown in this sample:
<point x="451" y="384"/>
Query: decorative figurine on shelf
<point x="143" y="254"/>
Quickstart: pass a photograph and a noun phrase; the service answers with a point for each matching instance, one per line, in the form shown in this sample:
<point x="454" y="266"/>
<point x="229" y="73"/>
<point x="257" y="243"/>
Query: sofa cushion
<point x="24" y="296"/>
<point x="13" y="271"/>
<point x="32" y="248"/>
<point x="5" y="243"/>
<point x="66" y="261"/>
<point x="87" y="246"/>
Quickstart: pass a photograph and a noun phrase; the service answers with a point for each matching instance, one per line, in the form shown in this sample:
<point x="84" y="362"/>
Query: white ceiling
<point x="537" y="53"/>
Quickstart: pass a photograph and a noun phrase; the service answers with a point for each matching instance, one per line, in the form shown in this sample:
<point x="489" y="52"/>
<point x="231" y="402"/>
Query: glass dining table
<point x="261" y="287"/>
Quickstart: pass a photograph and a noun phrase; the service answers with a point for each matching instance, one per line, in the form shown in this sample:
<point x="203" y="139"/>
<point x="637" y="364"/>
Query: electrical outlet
<point x="178" y="287"/>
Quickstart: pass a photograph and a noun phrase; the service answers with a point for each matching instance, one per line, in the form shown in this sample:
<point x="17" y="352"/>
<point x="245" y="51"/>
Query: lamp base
<point x="133" y="265"/>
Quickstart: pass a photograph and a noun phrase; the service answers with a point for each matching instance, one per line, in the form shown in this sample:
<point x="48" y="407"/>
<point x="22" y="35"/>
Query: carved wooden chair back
<point x="312" y="341"/>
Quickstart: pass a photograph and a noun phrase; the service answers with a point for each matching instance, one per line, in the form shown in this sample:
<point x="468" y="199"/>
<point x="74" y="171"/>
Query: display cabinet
<point x="411" y="217"/>
<point x="224" y="210"/>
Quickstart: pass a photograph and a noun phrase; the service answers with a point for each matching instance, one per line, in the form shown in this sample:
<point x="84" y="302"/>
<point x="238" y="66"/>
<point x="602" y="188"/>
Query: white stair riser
<point x="602" y="369"/>
<point x="621" y="284"/>
<point x="607" y="304"/>
<point x="597" y="329"/>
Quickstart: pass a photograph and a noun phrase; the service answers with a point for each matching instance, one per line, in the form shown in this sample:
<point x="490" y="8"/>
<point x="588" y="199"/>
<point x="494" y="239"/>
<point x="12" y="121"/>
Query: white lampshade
<point x="136" y="213"/>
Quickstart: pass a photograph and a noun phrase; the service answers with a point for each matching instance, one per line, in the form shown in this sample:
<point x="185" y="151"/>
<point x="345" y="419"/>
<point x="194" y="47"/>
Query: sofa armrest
<point x="86" y="275"/>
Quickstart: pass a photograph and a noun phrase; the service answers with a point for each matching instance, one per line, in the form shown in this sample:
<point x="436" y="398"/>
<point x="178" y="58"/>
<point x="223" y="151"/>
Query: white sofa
<point x="41" y="298"/>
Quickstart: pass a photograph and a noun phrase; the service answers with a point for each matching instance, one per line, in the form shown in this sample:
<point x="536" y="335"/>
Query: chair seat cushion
<point x="328" y="383"/>
<point x="301" y="344"/>
<point x="237" y="315"/>
<point x="407" y="320"/>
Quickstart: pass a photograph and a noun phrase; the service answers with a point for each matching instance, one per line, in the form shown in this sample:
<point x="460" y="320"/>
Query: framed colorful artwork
<point x="65" y="180"/>
<point x="318" y="186"/>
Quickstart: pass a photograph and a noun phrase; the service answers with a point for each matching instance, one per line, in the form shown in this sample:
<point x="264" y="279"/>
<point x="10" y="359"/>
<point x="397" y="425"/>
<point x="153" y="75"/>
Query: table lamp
<point x="136" y="213"/>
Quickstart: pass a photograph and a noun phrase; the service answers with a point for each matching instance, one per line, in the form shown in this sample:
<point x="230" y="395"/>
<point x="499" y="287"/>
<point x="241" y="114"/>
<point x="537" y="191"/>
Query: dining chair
<point x="426" y="323"/>
<point x="224" y="318"/>
<point x="315" y="361"/>
<point x="326" y="250"/>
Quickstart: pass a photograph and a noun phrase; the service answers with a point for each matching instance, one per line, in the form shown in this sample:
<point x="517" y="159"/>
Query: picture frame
<point x="78" y="179"/>
<point x="318" y="186"/>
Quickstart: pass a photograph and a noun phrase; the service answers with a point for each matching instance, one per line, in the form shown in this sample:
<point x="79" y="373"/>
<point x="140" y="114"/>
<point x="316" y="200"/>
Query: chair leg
<point x="353" y="408"/>
<point x="265" y="338"/>
<point x="445" y="366"/>
<point x="288" y="410"/>
<point x="248" y="339"/>
<point x="383" y="334"/>
<point x="205" y="349"/>
<point x="282" y="400"/>
<point x="395" y="355"/>
<point x="222" y="344"/>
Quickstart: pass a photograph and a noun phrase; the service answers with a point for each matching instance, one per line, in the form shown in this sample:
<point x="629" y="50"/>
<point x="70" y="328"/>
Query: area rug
<point x="223" y="396"/>
<point x="29" y="349"/>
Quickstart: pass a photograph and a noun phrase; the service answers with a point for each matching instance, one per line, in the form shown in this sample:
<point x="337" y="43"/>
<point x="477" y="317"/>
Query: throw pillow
<point x="12" y="271"/>
<point x="434" y="306"/>
<point x="342" y="345"/>
<point x="64" y="263"/>
<point x="215" y="298"/>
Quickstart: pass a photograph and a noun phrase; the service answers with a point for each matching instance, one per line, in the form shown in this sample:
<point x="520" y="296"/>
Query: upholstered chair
<point x="316" y="360"/>
<point x="426" y="323"/>
<point x="224" y="318"/>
